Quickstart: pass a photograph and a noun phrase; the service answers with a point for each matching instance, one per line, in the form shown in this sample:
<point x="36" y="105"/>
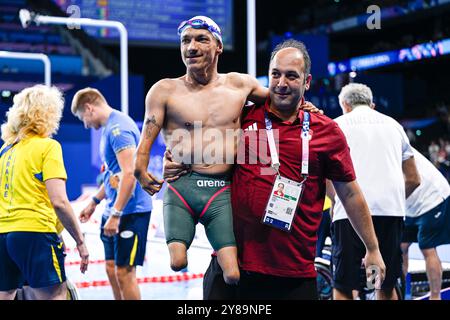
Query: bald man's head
<point x="297" y="45"/>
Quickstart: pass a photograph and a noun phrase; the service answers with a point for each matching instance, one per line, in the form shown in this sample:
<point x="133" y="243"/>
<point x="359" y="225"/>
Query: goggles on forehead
<point x="199" y="24"/>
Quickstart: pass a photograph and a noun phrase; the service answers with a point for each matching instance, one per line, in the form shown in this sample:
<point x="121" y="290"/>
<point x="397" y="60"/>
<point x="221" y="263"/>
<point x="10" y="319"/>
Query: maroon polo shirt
<point x="262" y="248"/>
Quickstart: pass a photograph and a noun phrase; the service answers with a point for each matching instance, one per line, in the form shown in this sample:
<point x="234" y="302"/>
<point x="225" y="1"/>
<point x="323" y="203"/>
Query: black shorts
<point x="323" y="232"/>
<point x="257" y="286"/>
<point x="214" y="286"/>
<point x="35" y="258"/>
<point x="348" y="251"/>
<point x="127" y="248"/>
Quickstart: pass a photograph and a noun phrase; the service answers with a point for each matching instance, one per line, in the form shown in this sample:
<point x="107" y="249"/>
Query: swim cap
<point x="201" y="22"/>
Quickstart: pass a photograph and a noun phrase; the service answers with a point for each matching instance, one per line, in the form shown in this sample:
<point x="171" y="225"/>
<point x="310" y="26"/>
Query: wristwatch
<point x="116" y="213"/>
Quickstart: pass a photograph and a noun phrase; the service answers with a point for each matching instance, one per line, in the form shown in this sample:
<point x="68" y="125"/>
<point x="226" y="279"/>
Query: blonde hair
<point x="86" y="95"/>
<point x="36" y="110"/>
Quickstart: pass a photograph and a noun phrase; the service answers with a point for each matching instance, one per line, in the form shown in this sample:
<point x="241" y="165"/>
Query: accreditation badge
<point x="280" y="209"/>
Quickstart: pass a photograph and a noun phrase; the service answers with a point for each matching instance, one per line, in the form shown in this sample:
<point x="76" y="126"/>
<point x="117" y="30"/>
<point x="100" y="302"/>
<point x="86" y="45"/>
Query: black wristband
<point x="96" y="200"/>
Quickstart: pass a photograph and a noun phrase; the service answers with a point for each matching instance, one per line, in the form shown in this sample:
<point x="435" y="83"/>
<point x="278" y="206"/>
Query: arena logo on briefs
<point x="210" y="183"/>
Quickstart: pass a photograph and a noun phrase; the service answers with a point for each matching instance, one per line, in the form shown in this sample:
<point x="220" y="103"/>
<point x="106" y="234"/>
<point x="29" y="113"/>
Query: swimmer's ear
<point x="219" y="47"/>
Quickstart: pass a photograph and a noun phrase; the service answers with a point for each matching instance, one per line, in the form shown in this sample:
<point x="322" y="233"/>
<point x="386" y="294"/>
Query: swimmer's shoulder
<point x="240" y="79"/>
<point x="165" y="87"/>
<point x="167" y="84"/>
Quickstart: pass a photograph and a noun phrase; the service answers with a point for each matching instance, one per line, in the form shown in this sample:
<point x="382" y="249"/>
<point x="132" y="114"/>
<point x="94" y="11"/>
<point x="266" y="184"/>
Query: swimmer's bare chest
<point x="217" y="107"/>
<point x="215" y="110"/>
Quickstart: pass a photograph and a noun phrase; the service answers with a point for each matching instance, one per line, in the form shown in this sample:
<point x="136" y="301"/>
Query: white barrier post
<point x="32" y="56"/>
<point x="251" y="37"/>
<point x="26" y="18"/>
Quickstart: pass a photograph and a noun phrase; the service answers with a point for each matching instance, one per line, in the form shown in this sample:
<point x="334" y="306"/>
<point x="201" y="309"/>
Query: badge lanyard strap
<point x="7" y="148"/>
<point x="305" y="145"/>
<point x="272" y="147"/>
<point x="305" y="136"/>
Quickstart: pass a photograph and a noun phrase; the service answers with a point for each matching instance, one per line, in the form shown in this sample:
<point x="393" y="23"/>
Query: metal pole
<point x="32" y="56"/>
<point x="251" y="37"/>
<point x="101" y="24"/>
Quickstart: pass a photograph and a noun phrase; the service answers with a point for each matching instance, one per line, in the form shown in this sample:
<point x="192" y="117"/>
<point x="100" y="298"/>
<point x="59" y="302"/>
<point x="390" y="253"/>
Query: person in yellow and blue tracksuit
<point x="33" y="196"/>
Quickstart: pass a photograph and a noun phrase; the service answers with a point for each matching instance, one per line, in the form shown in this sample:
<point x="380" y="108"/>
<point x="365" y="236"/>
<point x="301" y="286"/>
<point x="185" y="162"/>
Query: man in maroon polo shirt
<point x="281" y="263"/>
<point x="276" y="257"/>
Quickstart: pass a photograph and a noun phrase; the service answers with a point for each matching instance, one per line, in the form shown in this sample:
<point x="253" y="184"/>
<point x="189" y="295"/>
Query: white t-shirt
<point x="433" y="188"/>
<point x="378" y="146"/>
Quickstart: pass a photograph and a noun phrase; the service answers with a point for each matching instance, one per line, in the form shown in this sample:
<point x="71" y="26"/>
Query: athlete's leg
<point x="56" y="292"/>
<point x="386" y="294"/>
<point x="405" y="248"/>
<point x="409" y="236"/>
<point x="179" y="227"/>
<point x="217" y="218"/>
<point x="434" y="272"/>
<point x="111" y="273"/>
<point x="178" y="255"/>
<point x="214" y="286"/>
<point x="227" y="258"/>
<point x="128" y="283"/>
<point x="108" y="246"/>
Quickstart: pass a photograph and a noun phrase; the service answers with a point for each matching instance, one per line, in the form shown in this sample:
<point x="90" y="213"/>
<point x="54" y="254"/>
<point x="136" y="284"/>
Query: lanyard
<point x="305" y="136"/>
<point x="5" y="149"/>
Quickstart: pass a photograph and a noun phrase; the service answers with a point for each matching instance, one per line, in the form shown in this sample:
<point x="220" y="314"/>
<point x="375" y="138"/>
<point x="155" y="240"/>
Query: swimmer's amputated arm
<point x="155" y="111"/>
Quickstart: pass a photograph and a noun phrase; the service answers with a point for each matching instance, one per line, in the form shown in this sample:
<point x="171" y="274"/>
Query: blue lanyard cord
<point x="6" y="149"/>
<point x="305" y="127"/>
<point x="268" y="121"/>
